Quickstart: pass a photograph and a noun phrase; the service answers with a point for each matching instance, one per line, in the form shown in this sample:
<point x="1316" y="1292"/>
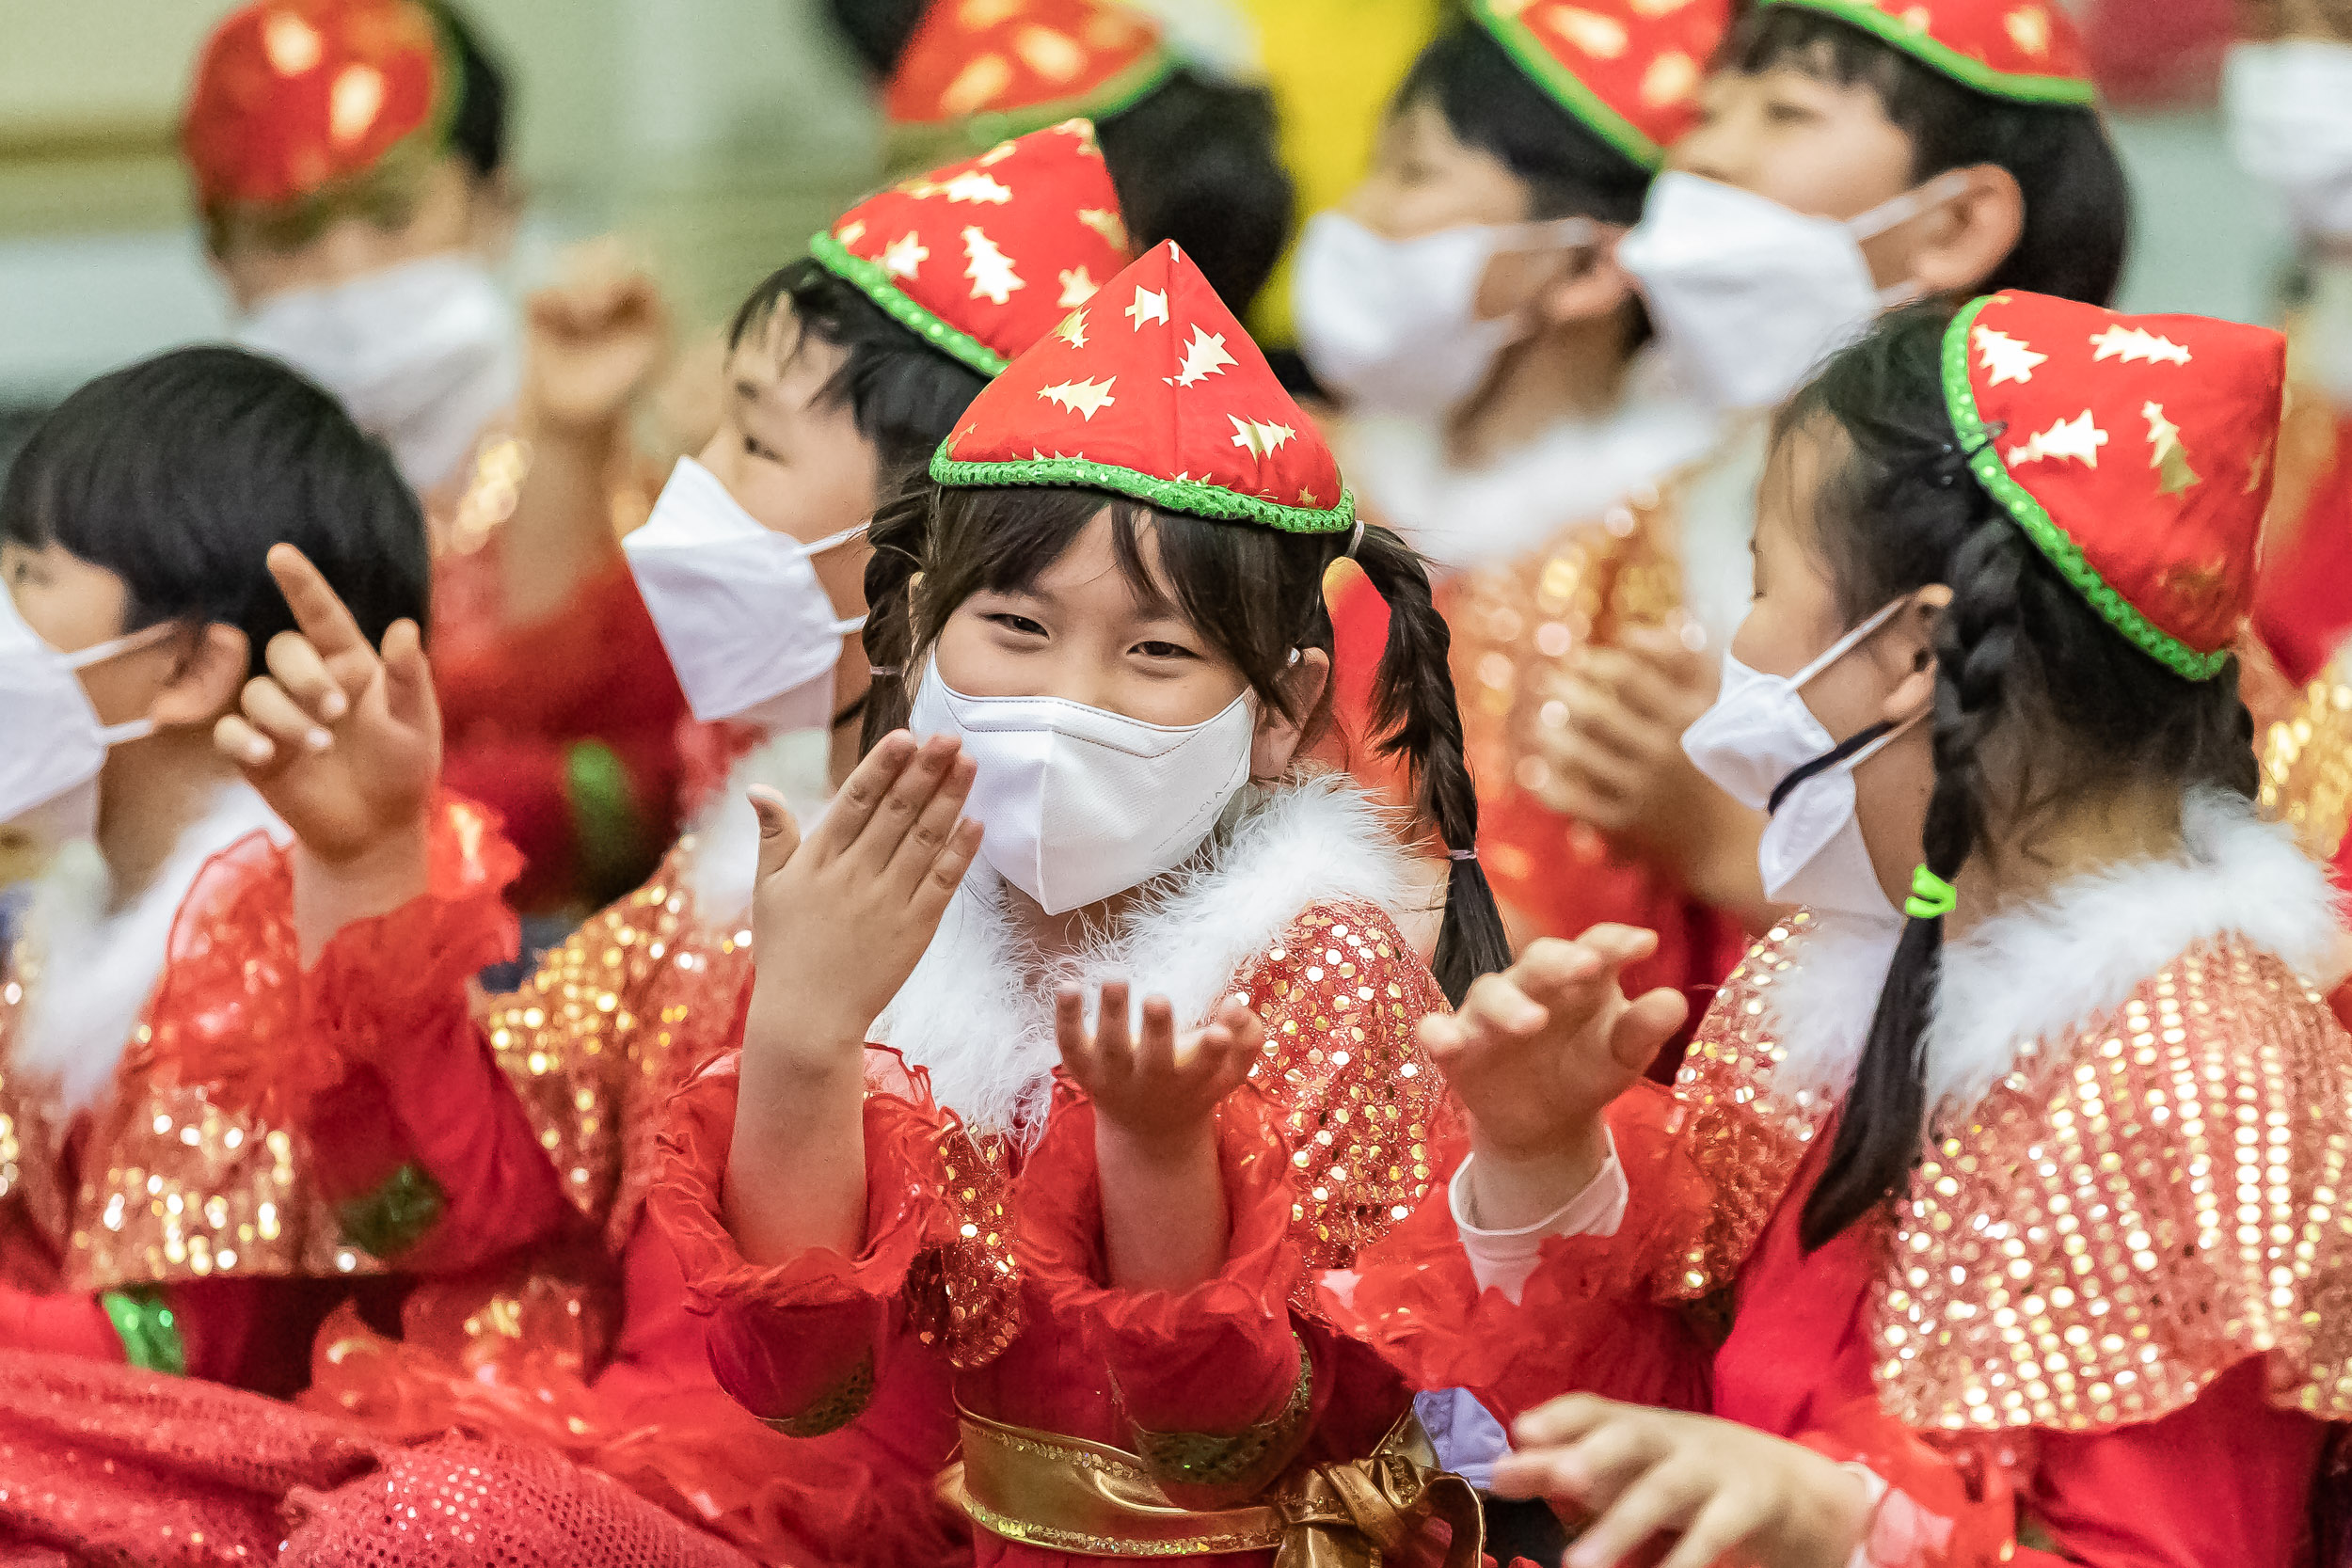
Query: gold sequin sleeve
<point x="2307" y="763"/>
<point x="2132" y="1211"/>
<point x="1361" y="1108"/>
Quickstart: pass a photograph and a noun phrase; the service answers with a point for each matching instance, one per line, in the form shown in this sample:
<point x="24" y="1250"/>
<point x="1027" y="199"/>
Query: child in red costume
<point x="954" y="1194"/>
<point x="140" y="1219"/>
<point x="2018" y="1210"/>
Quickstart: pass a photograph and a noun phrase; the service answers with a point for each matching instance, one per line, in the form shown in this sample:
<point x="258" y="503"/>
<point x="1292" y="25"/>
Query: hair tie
<point x="1931" y="897"/>
<point x="1461" y="854"/>
<point x="1355" y="540"/>
<point x="883" y="671"/>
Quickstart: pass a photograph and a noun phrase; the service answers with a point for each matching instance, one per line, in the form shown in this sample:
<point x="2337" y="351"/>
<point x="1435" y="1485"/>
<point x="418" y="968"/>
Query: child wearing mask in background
<point x="2021" y="1201"/>
<point x="349" y="166"/>
<point x="845" y="373"/>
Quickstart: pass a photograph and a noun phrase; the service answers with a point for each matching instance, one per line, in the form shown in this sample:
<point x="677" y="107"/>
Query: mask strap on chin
<point x="1855" y="750"/>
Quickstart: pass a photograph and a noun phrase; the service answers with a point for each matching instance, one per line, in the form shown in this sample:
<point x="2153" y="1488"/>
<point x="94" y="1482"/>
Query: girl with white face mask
<point x="1058" y="959"/>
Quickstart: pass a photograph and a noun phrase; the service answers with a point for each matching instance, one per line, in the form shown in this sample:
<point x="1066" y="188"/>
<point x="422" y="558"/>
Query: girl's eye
<point x="1781" y="113"/>
<point x="1019" y="624"/>
<point x="1164" y="650"/>
<point x="754" y="448"/>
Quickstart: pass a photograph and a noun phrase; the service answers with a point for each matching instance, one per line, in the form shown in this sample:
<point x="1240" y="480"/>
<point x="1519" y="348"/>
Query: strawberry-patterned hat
<point x="1153" y="389"/>
<point x="980" y="259"/>
<point x="293" y="96"/>
<point x="1002" y="67"/>
<point x="1629" y="70"/>
<point x="2027" y="50"/>
<point x="2135" y="451"/>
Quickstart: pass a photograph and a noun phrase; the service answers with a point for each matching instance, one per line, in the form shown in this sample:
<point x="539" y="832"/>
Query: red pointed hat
<point x="2135" y="451"/>
<point x="2027" y="50"/>
<point x="980" y="259"/>
<point x="1154" y="391"/>
<point x="293" y="96"/>
<point x="1014" y="65"/>
<point x="1629" y="70"/>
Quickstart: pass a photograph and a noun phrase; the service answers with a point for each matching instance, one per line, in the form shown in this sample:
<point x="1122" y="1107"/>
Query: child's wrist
<point x="1162" y="1149"/>
<point x="1515" y="1183"/>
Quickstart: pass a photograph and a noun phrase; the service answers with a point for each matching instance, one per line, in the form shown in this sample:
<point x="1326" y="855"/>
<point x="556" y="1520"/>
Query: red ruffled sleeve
<point x="794" y="1343"/>
<point x="1590" y="1318"/>
<point x="1216" y="1358"/>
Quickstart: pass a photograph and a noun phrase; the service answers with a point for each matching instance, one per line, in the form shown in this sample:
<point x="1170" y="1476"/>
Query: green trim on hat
<point x="1566" y="89"/>
<point x="1984" y="461"/>
<point x="1944" y="57"/>
<point x="1191" y="496"/>
<point x="985" y="129"/>
<point x="873" y="280"/>
<point x="149" y="1329"/>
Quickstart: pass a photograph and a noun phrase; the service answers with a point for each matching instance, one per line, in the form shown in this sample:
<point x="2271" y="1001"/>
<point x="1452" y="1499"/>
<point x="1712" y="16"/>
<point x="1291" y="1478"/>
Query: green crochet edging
<point x="149" y="1331"/>
<point x="872" y="280"/>
<point x="1189" y="496"/>
<point x="1944" y="57"/>
<point x="388" y="1221"/>
<point x="1566" y="89"/>
<point x="1984" y="461"/>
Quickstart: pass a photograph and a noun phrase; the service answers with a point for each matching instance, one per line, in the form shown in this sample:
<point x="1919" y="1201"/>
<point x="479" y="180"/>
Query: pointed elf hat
<point x="1154" y="391"/>
<point x="980" y="259"/>
<point x="1003" y="67"/>
<point x="2027" y="50"/>
<point x="293" y="96"/>
<point x="2135" y="451"/>
<point x="1628" y="69"/>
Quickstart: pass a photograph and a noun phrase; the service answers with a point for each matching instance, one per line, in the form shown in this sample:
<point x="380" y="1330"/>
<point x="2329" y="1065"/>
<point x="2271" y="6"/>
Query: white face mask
<point x="422" y="356"/>
<point x="749" y="629"/>
<point x="1077" y="803"/>
<point x="1392" y="326"/>
<point x="1751" y="296"/>
<point x="1764" y="748"/>
<point x="56" y="745"/>
<point x="2289" y="109"/>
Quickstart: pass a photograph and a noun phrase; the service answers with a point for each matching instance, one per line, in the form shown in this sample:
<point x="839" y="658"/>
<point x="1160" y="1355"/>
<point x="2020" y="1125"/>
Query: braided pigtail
<point x="1415" y="717"/>
<point x="1980" y="642"/>
<point x="899" y="534"/>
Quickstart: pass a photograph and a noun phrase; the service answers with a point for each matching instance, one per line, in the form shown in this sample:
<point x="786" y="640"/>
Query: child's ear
<point x="1277" y="737"/>
<point x="1591" y="288"/>
<point x="1964" y="242"/>
<point x="1908" y="647"/>
<point x="210" y="676"/>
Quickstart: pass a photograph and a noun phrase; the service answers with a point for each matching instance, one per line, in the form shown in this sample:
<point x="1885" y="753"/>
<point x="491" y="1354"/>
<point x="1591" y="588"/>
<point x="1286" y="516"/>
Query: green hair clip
<point x="1931" y="897"/>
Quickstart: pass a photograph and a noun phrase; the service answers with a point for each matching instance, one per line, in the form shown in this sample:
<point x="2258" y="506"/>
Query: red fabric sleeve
<point x="1216" y="1358"/>
<point x="783" y="1338"/>
<point x="1588" y="1320"/>
<point x="60" y="1324"/>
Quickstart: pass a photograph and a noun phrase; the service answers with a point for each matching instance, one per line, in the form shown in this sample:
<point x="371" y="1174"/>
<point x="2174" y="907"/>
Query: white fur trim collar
<point x="96" y="969"/>
<point x="2035" y="972"/>
<point x="977" y="1014"/>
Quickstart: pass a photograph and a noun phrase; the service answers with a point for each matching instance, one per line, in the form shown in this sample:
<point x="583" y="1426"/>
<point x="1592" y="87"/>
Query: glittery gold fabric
<point x="2307" y="763"/>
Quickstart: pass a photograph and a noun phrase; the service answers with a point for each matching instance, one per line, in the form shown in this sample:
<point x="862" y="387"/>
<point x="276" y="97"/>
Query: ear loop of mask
<point x="834" y="541"/>
<point x="1902" y="209"/>
<point x="115" y="647"/>
<point x="1864" y="744"/>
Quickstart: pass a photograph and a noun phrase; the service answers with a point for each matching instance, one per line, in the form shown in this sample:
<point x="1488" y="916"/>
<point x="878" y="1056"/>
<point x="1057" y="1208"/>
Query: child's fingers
<point x="1727" y="1520"/>
<point x="933" y="825"/>
<point x="1114" y="1048"/>
<point x="241" y="744"/>
<point x="1669" y="1494"/>
<point x="1602" y="1462"/>
<point x="408" y="678"/>
<point x="779" y="834"/>
<point x="946" y="873"/>
<point x="901" y="806"/>
<point x="1070" y="1033"/>
<point x="1560" y="1421"/>
<point x="318" y="613"/>
<point x="1645" y="1028"/>
<point x="863" y="791"/>
<point x="1155" y="1049"/>
<point x="1247" y="1028"/>
<point x="268" y="709"/>
<point x="298" y="668"/>
<point x="1494" y="1004"/>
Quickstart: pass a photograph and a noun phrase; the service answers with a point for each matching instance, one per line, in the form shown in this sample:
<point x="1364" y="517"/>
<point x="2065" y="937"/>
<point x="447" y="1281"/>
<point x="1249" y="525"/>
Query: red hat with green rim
<point x="1154" y="391"/>
<point x="2135" y="451"/>
<point x="1002" y="67"/>
<point x="2027" y="50"/>
<point x="294" y="97"/>
<point x="1628" y="69"/>
<point x="980" y="259"/>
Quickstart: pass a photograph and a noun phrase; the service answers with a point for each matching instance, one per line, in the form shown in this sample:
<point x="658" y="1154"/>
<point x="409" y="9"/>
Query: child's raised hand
<point x="1160" y="1089"/>
<point x="1617" y="760"/>
<point x="1729" y="1492"/>
<point x="841" y="918"/>
<point x="593" y="343"/>
<point x="343" y="743"/>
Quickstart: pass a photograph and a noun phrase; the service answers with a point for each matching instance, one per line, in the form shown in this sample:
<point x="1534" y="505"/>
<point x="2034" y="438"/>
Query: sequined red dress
<point x="979" y="1298"/>
<point x="2099" y="1327"/>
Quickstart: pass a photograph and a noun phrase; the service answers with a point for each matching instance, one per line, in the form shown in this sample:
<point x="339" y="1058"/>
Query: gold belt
<point x="1068" y="1495"/>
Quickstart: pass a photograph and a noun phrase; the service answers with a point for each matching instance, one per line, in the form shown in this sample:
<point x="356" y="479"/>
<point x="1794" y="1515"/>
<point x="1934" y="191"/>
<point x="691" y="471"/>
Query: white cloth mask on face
<point x="1764" y="748"/>
<point x="1077" y="803"/>
<point x="56" y="745"/>
<point x="1749" y="296"/>
<point x="422" y="356"/>
<point x="749" y="629"/>
<point x="1392" y="326"/>
<point x="2289" y="109"/>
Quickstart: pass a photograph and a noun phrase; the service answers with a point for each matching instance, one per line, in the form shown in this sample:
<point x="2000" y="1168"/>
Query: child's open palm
<point x="1158" y="1087"/>
<point x="342" y="740"/>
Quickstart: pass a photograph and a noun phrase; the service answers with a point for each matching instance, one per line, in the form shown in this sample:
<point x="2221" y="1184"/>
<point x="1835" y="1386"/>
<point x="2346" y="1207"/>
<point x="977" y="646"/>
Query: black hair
<point x="178" y="473"/>
<point x="1255" y="593"/>
<point x="904" y="394"/>
<point x="1493" y="104"/>
<point x="2037" y="698"/>
<point x="878" y="30"/>
<point x="477" y="131"/>
<point x="1195" y="160"/>
<point x="2079" y="205"/>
